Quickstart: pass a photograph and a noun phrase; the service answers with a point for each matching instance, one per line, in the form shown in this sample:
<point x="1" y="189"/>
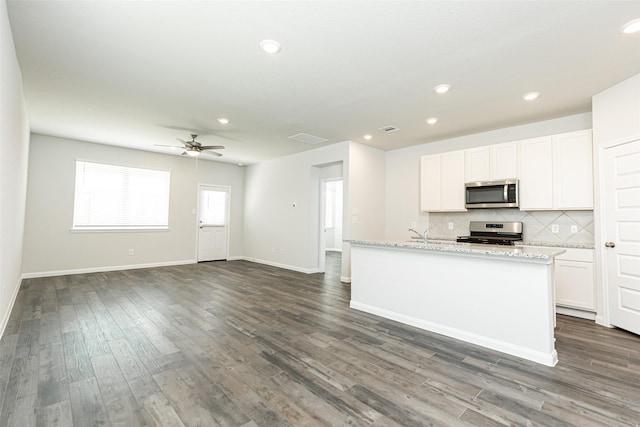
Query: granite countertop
<point x="559" y="245"/>
<point x="520" y="252"/>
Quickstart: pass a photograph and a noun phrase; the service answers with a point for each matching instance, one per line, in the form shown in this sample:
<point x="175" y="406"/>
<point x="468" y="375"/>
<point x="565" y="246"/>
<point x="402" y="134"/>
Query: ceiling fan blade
<point x="170" y="146"/>
<point x="213" y="152"/>
<point x="212" y="147"/>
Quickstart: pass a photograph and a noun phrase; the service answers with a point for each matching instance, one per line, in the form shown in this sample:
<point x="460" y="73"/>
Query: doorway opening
<point x="331" y="195"/>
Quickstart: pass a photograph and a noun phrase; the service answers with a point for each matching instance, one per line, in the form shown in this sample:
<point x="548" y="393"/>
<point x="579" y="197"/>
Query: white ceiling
<point x="136" y="74"/>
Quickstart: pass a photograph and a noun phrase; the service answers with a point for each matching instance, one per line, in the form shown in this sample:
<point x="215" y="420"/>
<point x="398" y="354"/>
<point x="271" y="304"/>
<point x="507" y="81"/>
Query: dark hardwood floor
<point x="242" y="344"/>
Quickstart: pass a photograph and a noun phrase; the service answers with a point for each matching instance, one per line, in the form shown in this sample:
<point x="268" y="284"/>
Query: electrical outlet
<point x="555" y="228"/>
<point x="574" y="229"/>
<point x="130" y="252"/>
<point x="354" y="219"/>
<point x="450" y="226"/>
<point x="414" y="224"/>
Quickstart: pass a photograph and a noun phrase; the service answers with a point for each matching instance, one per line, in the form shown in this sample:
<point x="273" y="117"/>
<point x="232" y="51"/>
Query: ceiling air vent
<point x="389" y="129"/>
<point x="307" y="139"/>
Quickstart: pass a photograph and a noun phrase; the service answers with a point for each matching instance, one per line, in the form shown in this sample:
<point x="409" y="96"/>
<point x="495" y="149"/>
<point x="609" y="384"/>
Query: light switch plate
<point x="450" y="225"/>
<point x="555" y="228"/>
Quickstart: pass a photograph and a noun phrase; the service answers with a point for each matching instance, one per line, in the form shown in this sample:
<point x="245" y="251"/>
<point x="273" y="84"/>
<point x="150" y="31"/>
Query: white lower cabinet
<point x="574" y="279"/>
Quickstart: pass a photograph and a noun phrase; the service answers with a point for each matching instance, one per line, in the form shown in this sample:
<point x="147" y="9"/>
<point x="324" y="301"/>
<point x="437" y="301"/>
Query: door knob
<point x="610" y="244"/>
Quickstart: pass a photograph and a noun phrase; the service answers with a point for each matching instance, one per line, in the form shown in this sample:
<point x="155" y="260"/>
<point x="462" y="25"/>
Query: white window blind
<point x="118" y="197"/>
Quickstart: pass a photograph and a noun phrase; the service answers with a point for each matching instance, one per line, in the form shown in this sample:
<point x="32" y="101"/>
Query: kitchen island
<point x="500" y="297"/>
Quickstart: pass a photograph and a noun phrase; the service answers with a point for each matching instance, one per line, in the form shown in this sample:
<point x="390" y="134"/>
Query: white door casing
<point x="621" y="226"/>
<point x="213" y="223"/>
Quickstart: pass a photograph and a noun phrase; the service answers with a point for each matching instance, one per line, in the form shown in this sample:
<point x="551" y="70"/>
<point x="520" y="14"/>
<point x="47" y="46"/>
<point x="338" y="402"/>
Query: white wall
<point x="366" y="194"/>
<point x="14" y="148"/>
<point x="276" y="232"/>
<point x="616" y="118"/>
<point x="50" y="247"/>
<point x="403" y="167"/>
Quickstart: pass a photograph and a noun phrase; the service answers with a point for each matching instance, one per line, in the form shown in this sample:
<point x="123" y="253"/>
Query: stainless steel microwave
<point x="492" y="194"/>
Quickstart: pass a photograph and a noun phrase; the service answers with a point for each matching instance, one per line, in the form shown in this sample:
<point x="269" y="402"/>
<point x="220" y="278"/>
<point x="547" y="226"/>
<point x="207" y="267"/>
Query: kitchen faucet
<point x="424" y="236"/>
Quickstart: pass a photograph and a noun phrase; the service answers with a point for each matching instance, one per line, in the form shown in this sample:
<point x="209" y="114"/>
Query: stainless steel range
<point x="493" y="233"/>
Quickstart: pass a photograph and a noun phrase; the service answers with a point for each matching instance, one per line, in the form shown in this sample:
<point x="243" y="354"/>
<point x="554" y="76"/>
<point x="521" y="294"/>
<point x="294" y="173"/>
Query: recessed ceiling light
<point x="530" y="96"/>
<point x="432" y="120"/>
<point x="443" y="88"/>
<point x="240" y="164"/>
<point x="223" y="120"/>
<point x="270" y="46"/>
<point x="367" y="137"/>
<point x="631" y="27"/>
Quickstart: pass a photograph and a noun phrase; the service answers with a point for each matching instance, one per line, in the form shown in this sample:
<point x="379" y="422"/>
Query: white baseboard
<point x="5" y="318"/>
<point x="285" y="266"/>
<point x="105" y="268"/>
<point x="494" y="344"/>
<point x="576" y="313"/>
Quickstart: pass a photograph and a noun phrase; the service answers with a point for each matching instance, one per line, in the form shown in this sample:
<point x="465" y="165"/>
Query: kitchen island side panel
<point x="499" y="303"/>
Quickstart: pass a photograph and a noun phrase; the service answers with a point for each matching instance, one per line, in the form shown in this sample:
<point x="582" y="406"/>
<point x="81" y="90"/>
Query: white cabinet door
<point x="504" y="161"/>
<point x="442" y="182"/>
<point x="430" y="183"/>
<point x="452" y="184"/>
<point x="574" y="284"/>
<point x="536" y="174"/>
<point x="493" y="162"/>
<point x="573" y="170"/>
<point x="478" y="164"/>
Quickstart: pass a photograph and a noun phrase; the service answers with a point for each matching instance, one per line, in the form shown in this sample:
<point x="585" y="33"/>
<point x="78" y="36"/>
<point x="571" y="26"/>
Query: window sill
<point x="119" y="229"/>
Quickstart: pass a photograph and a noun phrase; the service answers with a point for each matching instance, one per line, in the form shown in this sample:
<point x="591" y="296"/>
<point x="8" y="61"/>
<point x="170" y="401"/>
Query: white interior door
<point x="213" y="223"/>
<point x="622" y="234"/>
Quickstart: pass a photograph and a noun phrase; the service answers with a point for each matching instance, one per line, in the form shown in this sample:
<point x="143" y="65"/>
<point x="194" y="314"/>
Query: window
<point x="213" y="207"/>
<point x="117" y="197"/>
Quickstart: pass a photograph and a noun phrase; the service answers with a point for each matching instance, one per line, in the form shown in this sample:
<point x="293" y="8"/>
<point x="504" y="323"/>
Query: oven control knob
<point x="610" y="244"/>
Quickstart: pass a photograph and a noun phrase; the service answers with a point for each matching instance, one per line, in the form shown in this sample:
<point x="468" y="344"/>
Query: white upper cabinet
<point x="442" y="182"/>
<point x="536" y="174"/>
<point x="556" y="172"/>
<point x="504" y="161"/>
<point x="430" y="183"/>
<point x="573" y="167"/>
<point x="493" y="162"/>
<point x="478" y="164"/>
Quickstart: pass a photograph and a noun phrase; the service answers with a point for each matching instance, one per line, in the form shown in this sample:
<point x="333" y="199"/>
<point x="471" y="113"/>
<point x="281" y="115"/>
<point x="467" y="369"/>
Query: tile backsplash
<point x="536" y="224"/>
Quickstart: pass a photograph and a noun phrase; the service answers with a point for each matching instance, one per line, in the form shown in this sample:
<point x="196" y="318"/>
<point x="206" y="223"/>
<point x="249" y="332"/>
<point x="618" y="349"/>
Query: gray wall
<point x="51" y="247"/>
<point x="14" y="149"/>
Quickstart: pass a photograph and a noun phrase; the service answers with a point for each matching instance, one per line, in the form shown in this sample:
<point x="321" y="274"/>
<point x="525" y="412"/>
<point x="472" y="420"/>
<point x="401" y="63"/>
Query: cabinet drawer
<point x="576" y="254"/>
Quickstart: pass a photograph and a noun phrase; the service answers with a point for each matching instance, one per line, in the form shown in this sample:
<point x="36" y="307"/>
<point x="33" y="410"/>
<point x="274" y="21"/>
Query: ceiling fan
<point x="193" y="148"/>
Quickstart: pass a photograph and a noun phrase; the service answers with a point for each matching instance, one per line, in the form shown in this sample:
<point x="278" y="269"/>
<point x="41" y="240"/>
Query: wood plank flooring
<point x="242" y="344"/>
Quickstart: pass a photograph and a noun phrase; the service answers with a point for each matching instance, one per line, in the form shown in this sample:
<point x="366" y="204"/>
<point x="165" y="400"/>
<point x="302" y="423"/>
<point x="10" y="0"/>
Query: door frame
<point x="197" y="219"/>
<point x="603" y="315"/>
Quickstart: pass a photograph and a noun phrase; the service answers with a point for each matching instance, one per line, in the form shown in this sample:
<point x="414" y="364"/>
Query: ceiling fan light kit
<point x="193" y="148"/>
